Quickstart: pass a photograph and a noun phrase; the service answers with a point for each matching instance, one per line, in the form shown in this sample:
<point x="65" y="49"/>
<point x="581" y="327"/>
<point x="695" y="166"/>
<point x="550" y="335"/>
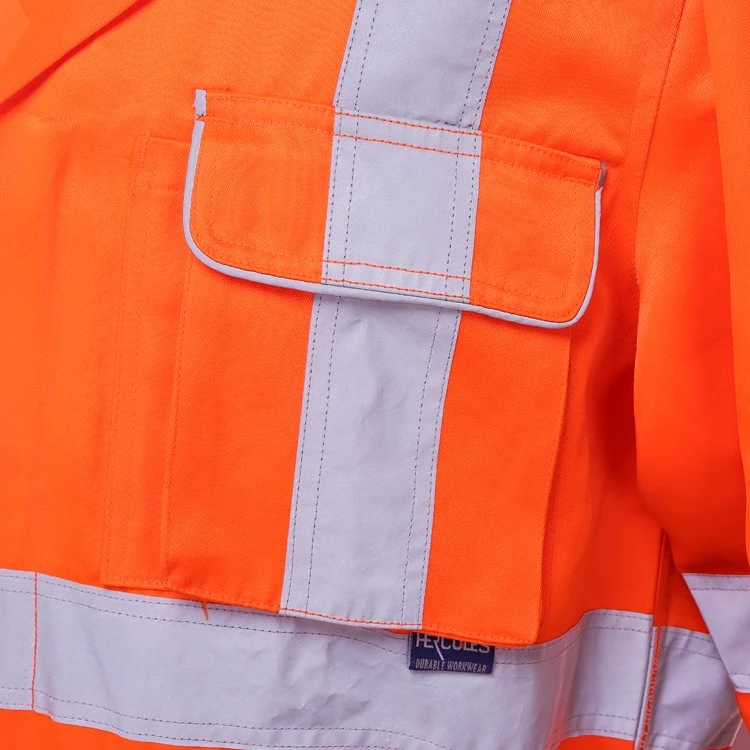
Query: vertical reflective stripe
<point x="156" y="669"/>
<point x="401" y="217"/>
<point x="366" y="465"/>
<point x="421" y="59"/>
<point x="724" y="602"/>
<point x="377" y="372"/>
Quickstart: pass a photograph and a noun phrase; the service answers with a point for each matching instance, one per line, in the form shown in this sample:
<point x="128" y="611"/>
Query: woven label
<point x="431" y="653"/>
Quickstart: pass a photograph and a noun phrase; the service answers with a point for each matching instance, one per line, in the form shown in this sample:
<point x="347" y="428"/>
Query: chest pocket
<point x="369" y="393"/>
<point x="363" y="206"/>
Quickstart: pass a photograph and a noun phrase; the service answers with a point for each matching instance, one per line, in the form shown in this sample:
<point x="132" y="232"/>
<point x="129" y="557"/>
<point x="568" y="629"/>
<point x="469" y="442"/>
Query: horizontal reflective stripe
<point x="157" y="669"/>
<point x="724" y="602"/>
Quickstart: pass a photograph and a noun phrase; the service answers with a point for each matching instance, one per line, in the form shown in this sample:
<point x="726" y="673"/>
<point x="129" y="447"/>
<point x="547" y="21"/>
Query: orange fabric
<point x="150" y="406"/>
<point x="257" y="361"/>
<point x="728" y="28"/>
<point x="743" y="700"/>
<point x="280" y="230"/>
<point x="49" y="35"/>
<point x="117" y="388"/>
<point x="464" y="539"/>
<point x="24" y="730"/>
<point x="683" y="375"/>
<point x="150" y="310"/>
<point x="533" y="191"/>
<point x="108" y="399"/>
<point x="595" y="743"/>
<point x="284" y="146"/>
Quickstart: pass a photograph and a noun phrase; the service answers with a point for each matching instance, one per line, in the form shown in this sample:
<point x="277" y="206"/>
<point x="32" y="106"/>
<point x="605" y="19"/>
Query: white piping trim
<point x="345" y="291"/>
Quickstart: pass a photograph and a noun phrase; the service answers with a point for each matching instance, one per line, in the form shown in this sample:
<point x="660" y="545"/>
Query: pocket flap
<point x="304" y="196"/>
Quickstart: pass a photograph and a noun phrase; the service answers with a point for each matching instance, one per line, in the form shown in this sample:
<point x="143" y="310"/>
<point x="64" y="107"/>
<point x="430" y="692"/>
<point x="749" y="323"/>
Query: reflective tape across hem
<point x="148" y="668"/>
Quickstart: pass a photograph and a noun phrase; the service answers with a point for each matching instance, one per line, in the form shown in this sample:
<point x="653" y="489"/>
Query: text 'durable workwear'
<point x="332" y="323"/>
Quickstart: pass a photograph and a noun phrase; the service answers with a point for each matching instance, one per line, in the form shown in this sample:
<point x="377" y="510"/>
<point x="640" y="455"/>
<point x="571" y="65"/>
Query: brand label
<point x="430" y="653"/>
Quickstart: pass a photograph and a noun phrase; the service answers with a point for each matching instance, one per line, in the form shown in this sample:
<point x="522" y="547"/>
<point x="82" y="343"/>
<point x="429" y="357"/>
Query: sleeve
<point x="726" y="603"/>
<point x="691" y="388"/>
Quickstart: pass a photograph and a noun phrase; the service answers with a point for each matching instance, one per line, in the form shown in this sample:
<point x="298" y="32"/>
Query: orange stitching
<point x="326" y="109"/>
<point x="436" y="628"/>
<point x="174" y="424"/>
<point x="217" y="598"/>
<point x="250" y="100"/>
<point x="123" y="295"/>
<point x="137" y="318"/>
<point x="146" y="583"/>
<point x="218" y="236"/>
<point x="282" y="272"/>
<point x="452" y="131"/>
<point x="52" y="118"/>
<point x="580" y="180"/>
<point x="352" y="619"/>
<point x="241" y="262"/>
<point x="482" y="158"/>
<point x="397" y="268"/>
<point x="180" y="190"/>
<point x="281" y="124"/>
<point x="278" y="264"/>
<point x="544" y="298"/>
<point x="272" y="609"/>
<point x="406" y="145"/>
<point x="651" y="694"/>
<point x="310" y="277"/>
<point x="428" y="627"/>
<point x="553" y="153"/>
<point x="346" y="282"/>
<point x="325" y="131"/>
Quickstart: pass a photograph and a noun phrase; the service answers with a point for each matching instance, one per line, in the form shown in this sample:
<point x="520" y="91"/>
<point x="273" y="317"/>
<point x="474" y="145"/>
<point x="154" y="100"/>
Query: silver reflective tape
<point x="688" y="666"/>
<point x="155" y="669"/>
<point x="421" y="59"/>
<point x="365" y="479"/>
<point x="724" y="602"/>
<point x="401" y="214"/>
<point x="401" y="210"/>
<point x="16" y="639"/>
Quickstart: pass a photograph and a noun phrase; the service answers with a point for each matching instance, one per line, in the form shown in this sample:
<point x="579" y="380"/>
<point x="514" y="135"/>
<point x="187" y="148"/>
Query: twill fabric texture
<point x="375" y="374"/>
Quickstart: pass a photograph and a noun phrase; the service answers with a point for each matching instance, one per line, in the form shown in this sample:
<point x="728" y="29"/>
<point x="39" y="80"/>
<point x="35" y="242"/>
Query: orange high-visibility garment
<point x="374" y="374"/>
